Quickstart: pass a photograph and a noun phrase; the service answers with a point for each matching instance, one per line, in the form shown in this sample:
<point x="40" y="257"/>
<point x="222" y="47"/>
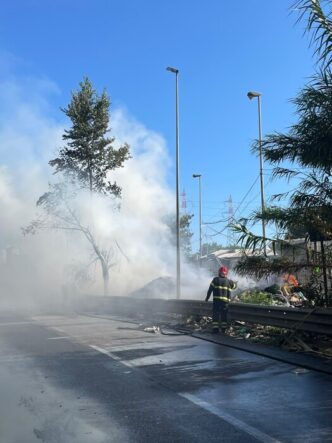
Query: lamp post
<point x="251" y="95"/>
<point x="178" y="269"/>
<point x="199" y="176"/>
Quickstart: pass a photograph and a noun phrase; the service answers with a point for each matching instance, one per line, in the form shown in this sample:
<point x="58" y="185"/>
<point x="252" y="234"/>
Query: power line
<point x="238" y="207"/>
<point x="246" y="194"/>
<point x="257" y="195"/>
<point x="217" y="232"/>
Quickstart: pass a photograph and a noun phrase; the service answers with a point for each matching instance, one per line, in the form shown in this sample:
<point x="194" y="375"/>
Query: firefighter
<point x="221" y="287"/>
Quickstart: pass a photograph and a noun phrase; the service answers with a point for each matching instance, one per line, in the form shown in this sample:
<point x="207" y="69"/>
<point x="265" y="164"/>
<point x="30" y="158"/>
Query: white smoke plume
<point x="45" y="266"/>
<point x="26" y="138"/>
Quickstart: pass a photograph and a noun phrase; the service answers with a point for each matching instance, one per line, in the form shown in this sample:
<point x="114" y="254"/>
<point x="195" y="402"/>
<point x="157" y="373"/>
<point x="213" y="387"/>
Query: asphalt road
<point x="91" y="380"/>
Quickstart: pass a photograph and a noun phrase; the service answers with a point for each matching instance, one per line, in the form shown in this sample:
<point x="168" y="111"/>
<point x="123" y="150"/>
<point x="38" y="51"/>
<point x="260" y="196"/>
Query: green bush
<point x="256" y="297"/>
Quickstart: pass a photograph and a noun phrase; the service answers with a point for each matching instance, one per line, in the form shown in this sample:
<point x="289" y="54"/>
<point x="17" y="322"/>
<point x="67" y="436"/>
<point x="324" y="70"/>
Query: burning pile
<point x="259" y="297"/>
<point x="287" y="293"/>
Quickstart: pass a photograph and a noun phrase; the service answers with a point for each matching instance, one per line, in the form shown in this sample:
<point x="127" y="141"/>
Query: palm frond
<point x="320" y="25"/>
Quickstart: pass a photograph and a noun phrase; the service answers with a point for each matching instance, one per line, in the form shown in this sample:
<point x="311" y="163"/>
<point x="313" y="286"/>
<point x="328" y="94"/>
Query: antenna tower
<point x="184" y="201"/>
<point x="230" y="218"/>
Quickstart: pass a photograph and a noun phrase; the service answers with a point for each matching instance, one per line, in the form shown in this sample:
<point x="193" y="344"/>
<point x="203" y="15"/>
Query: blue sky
<point x="223" y="49"/>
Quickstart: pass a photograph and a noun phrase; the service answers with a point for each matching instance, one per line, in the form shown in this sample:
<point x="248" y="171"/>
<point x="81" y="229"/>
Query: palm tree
<point x="319" y="25"/>
<point x="307" y="151"/>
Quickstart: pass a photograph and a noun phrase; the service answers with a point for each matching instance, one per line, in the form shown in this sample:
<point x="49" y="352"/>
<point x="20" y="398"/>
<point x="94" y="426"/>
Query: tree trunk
<point x="90" y="181"/>
<point x="105" y="276"/>
<point x="324" y="273"/>
<point x="90" y="175"/>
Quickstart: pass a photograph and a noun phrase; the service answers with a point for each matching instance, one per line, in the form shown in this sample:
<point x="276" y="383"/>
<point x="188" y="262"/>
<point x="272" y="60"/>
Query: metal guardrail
<point x="317" y="320"/>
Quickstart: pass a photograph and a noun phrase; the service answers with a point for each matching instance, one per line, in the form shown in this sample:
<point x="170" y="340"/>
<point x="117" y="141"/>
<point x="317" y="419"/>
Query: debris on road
<point x="300" y="371"/>
<point x="288" y="339"/>
<point x="198" y="323"/>
<point x="264" y="334"/>
<point x="152" y="329"/>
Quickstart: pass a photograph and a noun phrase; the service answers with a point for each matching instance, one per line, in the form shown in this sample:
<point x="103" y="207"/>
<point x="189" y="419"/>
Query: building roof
<point x="228" y="254"/>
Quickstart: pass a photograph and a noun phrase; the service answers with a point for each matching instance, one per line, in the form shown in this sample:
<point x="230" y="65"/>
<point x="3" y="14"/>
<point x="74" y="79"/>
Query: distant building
<point x="300" y="250"/>
<point x="226" y="257"/>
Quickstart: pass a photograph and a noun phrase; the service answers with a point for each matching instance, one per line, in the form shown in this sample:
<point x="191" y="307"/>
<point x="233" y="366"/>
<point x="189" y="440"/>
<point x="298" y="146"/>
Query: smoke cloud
<point x="44" y="267"/>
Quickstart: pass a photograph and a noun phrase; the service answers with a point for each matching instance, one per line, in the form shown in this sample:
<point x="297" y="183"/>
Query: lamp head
<point x="174" y="70"/>
<point x="253" y="94"/>
<point x="197" y="175"/>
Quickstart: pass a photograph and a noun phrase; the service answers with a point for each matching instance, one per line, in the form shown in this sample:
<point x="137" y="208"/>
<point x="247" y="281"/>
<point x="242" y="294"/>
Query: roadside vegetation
<point x="302" y="156"/>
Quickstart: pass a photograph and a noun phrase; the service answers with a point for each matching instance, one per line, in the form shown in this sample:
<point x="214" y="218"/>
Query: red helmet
<point x="223" y="270"/>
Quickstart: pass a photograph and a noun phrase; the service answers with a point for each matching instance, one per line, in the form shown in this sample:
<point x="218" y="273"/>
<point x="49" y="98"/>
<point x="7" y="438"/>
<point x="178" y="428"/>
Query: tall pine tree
<point x="84" y="162"/>
<point x="89" y="154"/>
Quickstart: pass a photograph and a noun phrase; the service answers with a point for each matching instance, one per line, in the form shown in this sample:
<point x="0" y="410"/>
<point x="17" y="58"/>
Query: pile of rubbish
<point x="259" y="297"/>
<point x="240" y="330"/>
<point x="287" y="293"/>
<point x="268" y="335"/>
<point x="198" y="323"/>
<point x="283" y="338"/>
<point x="256" y="333"/>
<point x="237" y="329"/>
<point x="290" y="290"/>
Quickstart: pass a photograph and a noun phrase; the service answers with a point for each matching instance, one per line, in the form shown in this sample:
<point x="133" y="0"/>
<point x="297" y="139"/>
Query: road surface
<point x="92" y="380"/>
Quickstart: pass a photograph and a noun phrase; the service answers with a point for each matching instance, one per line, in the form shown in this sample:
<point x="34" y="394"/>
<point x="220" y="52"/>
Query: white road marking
<point x="110" y="354"/>
<point x="17" y="323"/>
<point x="57" y="329"/>
<point x="14" y="358"/>
<point x="134" y="346"/>
<point x="58" y="338"/>
<point x="256" y="433"/>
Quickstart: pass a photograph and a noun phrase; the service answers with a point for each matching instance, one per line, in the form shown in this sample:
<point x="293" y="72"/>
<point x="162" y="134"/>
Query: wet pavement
<point x="83" y="379"/>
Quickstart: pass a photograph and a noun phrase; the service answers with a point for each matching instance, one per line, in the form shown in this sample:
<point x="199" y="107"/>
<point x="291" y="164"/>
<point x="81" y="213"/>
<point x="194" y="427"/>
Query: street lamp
<point x="251" y="95"/>
<point x="178" y="270"/>
<point x="199" y="176"/>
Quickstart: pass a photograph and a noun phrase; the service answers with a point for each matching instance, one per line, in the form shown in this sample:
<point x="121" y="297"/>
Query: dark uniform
<point x="221" y="287"/>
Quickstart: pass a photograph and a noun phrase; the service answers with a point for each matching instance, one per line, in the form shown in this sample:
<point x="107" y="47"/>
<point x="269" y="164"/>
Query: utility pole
<point x="199" y="176"/>
<point x="258" y="95"/>
<point x="178" y="269"/>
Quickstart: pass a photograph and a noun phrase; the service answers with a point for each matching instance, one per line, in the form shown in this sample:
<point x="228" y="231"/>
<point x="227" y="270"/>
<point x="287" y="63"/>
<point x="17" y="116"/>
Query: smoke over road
<point x="40" y="269"/>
